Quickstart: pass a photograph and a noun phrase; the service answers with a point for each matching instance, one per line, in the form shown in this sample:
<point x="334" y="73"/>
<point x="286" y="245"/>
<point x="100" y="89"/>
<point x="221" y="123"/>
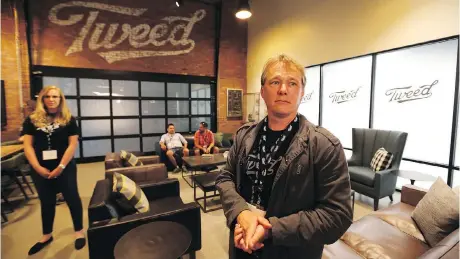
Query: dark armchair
<point x="363" y="179"/>
<point x="107" y="223"/>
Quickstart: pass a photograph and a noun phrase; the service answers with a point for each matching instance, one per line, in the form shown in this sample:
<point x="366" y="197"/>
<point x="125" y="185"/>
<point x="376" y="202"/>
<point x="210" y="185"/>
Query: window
<point x="130" y="111"/>
<point x="414" y="93"/>
<point x="67" y="85"/>
<point x="92" y="108"/>
<point x="176" y="107"/>
<point x="95" y="128"/>
<point x="309" y="105"/>
<point x="149" y="143"/>
<point x="346" y="97"/>
<point x="125" y="107"/>
<point x="153" y="126"/>
<point x="96" y="147"/>
<point x="153" y="89"/>
<point x="94" y="87"/>
<point x="176" y="90"/>
<point x="425" y="169"/>
<point x="201" y="91"/>
<point x="128" y="144"/>
<point x="180" y="124"/>
<point x="125" y="126"/>
<point x="125" y="88"/>
<point x="153" y="107"/>
<point x="456" y="178"/>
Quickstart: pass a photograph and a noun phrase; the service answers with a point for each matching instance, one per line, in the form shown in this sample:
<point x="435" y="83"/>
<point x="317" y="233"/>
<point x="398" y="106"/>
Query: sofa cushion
<point x="226" y="143"/>
<point x="339" y="250"/>
<point x="372" y="237"/>
<point x="399" y="216"/>
<point x="437" y="213"/>
<point x="159" y="207"/>
<point x="129" y="195"/>
<point x="129" y="159"/>
<point x="382" y="160"/>
<point x="363" y="175"/>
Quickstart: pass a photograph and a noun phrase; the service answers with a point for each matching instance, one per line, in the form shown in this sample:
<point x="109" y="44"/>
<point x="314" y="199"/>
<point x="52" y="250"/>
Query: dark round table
<point x="415" y="176"/>
<point x="155" y="240"/>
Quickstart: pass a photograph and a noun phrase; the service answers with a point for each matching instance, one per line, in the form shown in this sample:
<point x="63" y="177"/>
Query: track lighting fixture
<point x="243" y="12"/>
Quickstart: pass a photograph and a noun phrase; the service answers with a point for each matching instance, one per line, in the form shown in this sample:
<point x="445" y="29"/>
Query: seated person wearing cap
<point x="204" y="141"/>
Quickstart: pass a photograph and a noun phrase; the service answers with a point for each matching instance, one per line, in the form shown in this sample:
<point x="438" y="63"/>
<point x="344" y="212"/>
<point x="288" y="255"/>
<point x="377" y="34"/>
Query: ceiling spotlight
<point x="243" y="12"/>
<point x="179" y="3"/>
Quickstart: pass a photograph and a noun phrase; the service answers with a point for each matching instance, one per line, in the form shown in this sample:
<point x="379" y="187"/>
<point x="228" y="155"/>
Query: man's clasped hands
<point x="250" y="231"/>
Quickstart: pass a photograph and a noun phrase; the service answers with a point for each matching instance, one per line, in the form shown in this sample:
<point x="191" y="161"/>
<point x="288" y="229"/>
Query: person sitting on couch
<point x="204" y="140"/>
<point x="175" y="145"/>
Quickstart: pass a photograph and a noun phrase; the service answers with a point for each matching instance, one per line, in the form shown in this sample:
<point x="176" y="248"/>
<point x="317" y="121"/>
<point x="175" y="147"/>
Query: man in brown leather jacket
<point x="285" y="189"/>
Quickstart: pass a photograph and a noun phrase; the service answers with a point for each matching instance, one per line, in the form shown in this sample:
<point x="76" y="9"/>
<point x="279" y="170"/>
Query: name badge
<point x="169" y="145"/>
<point x="49" y="154"/>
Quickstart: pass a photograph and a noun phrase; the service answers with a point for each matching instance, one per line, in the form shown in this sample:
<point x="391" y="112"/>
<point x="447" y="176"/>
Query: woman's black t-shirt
<point x="59" y="139"/>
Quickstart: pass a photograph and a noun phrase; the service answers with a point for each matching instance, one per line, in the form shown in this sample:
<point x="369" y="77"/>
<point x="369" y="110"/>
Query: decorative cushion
<point x="129" y="195"/>
<point x="382" y="160"/>
<point x="218" y="136"/>
<point x="437" y="213"/>
<point x="129" y="159"/>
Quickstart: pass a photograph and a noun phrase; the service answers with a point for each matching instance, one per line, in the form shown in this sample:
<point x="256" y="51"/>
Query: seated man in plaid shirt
<point x="204" y="141"/>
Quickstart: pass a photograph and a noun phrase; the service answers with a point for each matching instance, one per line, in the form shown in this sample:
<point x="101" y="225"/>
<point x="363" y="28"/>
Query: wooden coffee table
<point x="415" y="176"/>
<point x="198" y="163"/>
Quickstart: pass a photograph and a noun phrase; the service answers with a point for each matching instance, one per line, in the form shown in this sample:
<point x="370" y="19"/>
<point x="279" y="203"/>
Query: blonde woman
<point x="50" y="140"/>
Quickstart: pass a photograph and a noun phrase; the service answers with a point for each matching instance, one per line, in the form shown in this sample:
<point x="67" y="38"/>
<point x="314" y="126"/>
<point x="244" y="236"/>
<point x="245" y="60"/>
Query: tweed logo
<point x="410" y="93"/>
<point x="307" y="97"/>
<point x="146" y="40"/>
<point x="344" y="96"/>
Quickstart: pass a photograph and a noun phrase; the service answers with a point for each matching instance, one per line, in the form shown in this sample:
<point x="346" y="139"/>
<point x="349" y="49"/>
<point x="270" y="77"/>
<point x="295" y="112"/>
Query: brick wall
<point x="232" y="64"/>
<point x="232" y="56"/>
<point x="148" y="36"/>
<point x="15" y="72"/>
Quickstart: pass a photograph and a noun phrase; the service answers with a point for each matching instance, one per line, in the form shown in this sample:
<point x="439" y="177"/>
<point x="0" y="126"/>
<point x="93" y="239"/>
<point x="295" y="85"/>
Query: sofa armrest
<point x="148" y="160"/>
<point x="163" y="189"/>
<point x="446" y="248"/>
<point x="103" y="237"/>
<point x="385" y="182"/>
<point x="112" y="160"/>
<point x="139" y="174"/>
<point x="411" y="194"/>
<point x="100" y="208"/>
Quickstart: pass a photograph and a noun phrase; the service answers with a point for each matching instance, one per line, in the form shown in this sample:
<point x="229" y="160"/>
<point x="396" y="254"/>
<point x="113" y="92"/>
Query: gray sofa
<point x="363" y="179"/>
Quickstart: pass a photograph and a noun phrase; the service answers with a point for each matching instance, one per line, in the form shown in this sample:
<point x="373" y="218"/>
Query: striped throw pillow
<point x="129" y="195"/>
<point x="129" y="159"/>
<point x="382" y="160"/>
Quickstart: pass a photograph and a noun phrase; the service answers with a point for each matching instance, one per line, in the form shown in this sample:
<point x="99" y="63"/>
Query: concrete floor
<point x="24" y="226"/>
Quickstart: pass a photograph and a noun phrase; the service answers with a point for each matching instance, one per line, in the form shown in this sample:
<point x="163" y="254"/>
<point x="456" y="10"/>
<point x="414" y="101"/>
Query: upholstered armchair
<point x="364" y="180"/>
<point x="108" y="222"/>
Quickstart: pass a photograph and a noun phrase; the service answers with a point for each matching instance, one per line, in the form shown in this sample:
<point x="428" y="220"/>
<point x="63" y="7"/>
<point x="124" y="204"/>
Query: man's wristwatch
<point x="62" y="166"/>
